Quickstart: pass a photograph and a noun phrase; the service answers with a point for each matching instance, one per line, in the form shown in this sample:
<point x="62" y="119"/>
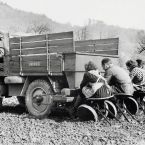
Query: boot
<point x="72" y="110"/>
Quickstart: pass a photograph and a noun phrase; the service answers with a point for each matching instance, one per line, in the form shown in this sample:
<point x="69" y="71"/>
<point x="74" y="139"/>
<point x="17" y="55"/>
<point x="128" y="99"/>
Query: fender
<point x="28" y="80"/>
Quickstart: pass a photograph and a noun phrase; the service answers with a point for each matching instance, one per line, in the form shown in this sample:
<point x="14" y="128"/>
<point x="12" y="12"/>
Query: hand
<point x="108" y="87"/>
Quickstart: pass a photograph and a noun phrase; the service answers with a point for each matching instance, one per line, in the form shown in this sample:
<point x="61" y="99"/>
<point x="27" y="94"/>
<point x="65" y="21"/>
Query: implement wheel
<point x="39" y="99"/>
<point x="86" y="113"/>
<point x="131" y="105"/>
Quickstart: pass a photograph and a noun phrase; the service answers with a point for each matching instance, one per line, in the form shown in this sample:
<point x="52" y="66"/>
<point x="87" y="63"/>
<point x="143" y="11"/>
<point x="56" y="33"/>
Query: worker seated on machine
<point x="117" y="78"/>
<point x="93" y="85"/>
<point x="137" y="75"/>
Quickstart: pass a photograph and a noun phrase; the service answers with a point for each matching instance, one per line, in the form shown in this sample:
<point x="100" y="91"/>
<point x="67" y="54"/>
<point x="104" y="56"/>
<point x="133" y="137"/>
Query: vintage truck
<point x="36" y="68"/>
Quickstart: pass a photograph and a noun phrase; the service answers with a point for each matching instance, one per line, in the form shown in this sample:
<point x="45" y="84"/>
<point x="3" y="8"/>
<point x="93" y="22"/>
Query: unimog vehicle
<point x="36" y="68"/>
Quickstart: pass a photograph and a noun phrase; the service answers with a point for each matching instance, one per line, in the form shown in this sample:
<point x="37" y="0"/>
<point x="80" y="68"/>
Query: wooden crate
<point x="38" y="55"/>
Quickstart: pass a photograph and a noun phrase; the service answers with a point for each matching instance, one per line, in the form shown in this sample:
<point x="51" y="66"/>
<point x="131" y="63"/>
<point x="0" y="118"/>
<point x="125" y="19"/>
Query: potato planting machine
<point x="36" y="68"/>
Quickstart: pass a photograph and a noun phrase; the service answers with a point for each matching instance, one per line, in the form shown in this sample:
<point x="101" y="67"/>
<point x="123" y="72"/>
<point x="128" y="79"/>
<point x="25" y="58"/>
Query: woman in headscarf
<point x="92" y="85"/>
<point x="137" y="74"/>
<point x="140" y="63"/>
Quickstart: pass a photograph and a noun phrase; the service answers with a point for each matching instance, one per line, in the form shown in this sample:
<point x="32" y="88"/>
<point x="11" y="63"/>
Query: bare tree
<point x="82" y="33"/>
<point x="39" y="28"/>
<point x="141" y="41"/>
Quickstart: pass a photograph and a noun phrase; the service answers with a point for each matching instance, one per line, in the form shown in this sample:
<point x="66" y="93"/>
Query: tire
<point x="38" y="99"/>
<point x="21" y="101"/>
<point x="111" y="107"/>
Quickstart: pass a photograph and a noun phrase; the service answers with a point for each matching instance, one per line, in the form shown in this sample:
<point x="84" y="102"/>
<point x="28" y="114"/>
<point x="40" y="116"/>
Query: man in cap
<point x="117" y="77"/>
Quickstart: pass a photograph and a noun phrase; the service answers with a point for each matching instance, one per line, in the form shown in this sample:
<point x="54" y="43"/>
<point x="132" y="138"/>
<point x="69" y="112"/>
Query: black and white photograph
<point x="72" y="72"/>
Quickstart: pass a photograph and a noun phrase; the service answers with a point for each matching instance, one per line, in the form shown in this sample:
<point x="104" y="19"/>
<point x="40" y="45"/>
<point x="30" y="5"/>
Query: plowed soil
<point x="18" y="128"/>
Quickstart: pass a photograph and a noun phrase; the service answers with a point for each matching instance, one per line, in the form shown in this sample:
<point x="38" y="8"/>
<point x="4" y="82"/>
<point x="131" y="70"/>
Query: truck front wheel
<point x="39" y="98"/>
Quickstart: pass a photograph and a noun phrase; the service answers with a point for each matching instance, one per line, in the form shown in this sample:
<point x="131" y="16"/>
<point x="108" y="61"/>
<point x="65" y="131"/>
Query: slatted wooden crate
<point x="38" y="54"/>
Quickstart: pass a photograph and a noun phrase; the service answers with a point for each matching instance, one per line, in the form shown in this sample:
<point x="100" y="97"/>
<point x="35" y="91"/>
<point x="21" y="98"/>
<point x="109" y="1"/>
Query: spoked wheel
<point x="103" y="109"/>
<point x="86" y="112"/>
<point x="111" y="109"/>
<point x="100" y="108"/>
<point x="131" y="105"/>
<point x="39" y="99"/>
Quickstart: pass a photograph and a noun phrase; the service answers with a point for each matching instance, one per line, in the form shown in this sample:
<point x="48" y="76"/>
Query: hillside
<point x="16" y="21"/>
<point x="127" y="37"/>
<point x="13" y="20"/>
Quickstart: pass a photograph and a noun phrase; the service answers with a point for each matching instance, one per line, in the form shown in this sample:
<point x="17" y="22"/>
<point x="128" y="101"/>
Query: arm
<point x="105" y="82"/>
<point x="108" y="75"/>
<point x="132" y="74"/>
<point x="84" y="81"/>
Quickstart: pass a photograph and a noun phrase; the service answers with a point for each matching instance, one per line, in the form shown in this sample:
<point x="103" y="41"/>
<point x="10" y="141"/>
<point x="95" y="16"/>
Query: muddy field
<point x="18" y="128"/>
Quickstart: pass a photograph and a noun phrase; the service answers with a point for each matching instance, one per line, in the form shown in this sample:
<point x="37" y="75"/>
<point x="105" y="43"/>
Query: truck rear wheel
<point x="39" y="99"/>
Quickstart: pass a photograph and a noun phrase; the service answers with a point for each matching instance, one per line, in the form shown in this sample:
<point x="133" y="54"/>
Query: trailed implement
<point x="112" y="107"/>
